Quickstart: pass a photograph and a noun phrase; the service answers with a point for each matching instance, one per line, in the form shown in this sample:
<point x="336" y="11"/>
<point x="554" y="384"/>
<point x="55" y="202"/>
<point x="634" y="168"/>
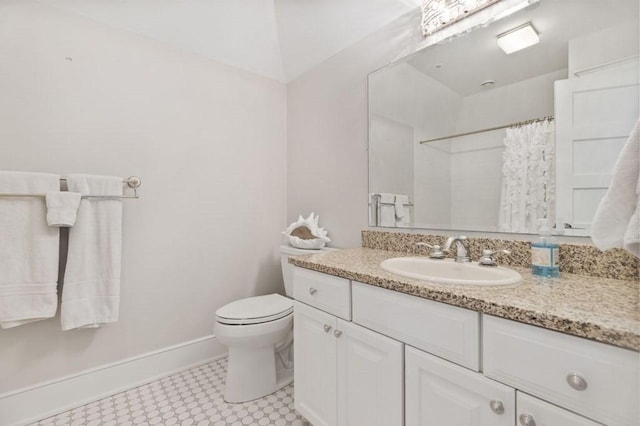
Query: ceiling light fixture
<point x="518" y="38"/>
<point x="437" y="14"/>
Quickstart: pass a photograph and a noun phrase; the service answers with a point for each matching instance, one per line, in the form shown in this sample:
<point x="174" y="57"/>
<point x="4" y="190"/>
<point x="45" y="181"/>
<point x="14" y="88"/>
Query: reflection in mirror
<point x="464" y="136"/>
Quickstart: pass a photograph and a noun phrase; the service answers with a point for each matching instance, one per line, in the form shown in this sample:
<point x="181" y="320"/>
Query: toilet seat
<point x="255" y="310"/>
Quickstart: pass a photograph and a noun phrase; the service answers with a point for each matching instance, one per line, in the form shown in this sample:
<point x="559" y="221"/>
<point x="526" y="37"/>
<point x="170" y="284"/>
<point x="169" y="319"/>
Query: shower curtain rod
<point x="133" y="182"/>
<point x="516" y="124"/>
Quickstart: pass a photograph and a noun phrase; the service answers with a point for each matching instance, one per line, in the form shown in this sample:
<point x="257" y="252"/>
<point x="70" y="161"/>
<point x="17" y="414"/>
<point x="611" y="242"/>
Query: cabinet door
<point x="534" y="412"/>
<point x="439" y="393"/>
<point x="314" y="347"/>
<point x="370" y="378"/>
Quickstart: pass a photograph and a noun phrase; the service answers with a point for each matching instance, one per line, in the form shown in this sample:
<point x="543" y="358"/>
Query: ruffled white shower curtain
<point x="528" y="177"/>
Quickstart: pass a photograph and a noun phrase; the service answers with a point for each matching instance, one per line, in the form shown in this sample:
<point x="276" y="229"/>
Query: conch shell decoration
<point x="306" y="234"/>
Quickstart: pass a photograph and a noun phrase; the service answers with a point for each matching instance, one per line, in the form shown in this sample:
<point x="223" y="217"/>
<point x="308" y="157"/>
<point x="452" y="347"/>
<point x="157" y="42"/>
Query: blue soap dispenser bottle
<point x="545" y="252"/>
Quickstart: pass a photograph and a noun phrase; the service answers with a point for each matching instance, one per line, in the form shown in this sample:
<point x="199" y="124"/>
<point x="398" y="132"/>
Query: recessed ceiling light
<point x="518" y="38"/>
<point x="487" y="83"/>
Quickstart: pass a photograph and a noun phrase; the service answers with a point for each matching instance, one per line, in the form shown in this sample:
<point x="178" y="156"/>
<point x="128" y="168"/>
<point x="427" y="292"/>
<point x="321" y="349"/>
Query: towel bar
<point x="393" y="204"/>
<point x="132" y="181"/>
<point x="10" y="194"/>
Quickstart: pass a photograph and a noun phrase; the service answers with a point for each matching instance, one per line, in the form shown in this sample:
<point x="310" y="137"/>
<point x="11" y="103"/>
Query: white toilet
<point x="259" y="334"/>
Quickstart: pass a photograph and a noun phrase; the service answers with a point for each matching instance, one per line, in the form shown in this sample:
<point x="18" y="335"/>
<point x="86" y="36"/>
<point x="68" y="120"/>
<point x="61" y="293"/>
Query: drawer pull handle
<point x="312" y="291"/>
<point x="497" y="407"/>
<point x="527" y="420"/>
<point x="337" y="333"/>
<point x="576" y="381"/>
<point x="326" y="328"/>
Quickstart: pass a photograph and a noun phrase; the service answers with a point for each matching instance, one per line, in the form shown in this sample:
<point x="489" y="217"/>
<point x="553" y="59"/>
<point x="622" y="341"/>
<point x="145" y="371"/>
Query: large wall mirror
<point x="465" y="136"/>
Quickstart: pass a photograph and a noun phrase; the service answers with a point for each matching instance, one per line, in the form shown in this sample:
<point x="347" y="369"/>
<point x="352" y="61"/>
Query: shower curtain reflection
<point x="528" y="177"/>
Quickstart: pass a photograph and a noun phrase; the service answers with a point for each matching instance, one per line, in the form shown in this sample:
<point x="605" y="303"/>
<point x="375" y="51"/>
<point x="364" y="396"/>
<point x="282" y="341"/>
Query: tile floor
<point x="192" y="397"/>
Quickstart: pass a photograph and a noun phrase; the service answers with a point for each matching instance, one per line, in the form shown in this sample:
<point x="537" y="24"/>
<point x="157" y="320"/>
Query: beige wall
<point x="208" y="141"/>
<point x="327" y="132"/>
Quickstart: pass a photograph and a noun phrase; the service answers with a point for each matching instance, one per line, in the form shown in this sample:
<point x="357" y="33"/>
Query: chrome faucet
<point x="488" y="257"/>
<point x="435" y="253"/>
<point x="462" y="247"/>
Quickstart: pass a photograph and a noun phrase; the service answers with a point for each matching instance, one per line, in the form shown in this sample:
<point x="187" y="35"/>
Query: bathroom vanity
<point x="374" y="348"/>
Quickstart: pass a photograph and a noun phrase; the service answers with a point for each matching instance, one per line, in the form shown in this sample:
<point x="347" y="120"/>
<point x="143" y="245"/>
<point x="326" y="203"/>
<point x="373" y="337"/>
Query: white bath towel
<point x="616" y="220"/>
<point x="62" y="208"/>
<point x="400" y="201"/>
<point x="403" y="218"/>
<point x="28" y="250"/>
<point x="91" y="289"/>
<point x="387" y="209"/>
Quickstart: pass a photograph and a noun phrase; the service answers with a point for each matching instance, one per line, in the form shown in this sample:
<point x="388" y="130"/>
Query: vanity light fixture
<point x="518" y="38"/>
<point x="437" y="14"/>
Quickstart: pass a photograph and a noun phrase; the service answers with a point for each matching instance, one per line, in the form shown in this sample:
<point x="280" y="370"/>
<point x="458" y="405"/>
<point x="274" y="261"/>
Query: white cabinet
<point x="439" y="393"/>
<point x="534" y="412"/>
<point x="315" y="365"/>
<point x="349" y="375"/>
<point x="447" y="331"/>
<point x="325" y="292"/>
<point x="590" y="378"/>
<point x="370" y="384"/>
<point x="345" y="374"/>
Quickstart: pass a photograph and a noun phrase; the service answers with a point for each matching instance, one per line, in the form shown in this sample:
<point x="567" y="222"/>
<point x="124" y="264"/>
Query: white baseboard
<point x="45" y="399"/>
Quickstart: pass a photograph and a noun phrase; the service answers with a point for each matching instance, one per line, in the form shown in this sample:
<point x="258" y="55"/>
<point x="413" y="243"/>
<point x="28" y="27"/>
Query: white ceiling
<point x="465" y="62"/>
<point x="279" y="39"/>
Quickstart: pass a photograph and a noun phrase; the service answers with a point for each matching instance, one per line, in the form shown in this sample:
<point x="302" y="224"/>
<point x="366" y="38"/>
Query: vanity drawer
<point x="542" y="362"/>
<point x="534" y="412"/>
<point x="326" y="292"/>
<point x="443" y="330"/>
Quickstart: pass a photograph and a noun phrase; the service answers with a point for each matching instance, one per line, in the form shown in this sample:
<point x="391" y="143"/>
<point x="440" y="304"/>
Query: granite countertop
<point x="602" y="309"/>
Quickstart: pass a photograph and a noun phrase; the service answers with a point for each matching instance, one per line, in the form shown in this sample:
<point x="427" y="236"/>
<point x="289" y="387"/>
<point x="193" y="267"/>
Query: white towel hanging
<point x="28" y="250"/>
<point x="616" y="220"/>
<point x="91" y="289"/>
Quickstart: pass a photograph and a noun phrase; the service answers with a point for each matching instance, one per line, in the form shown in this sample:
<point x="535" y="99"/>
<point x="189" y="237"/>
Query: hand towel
<point x="616" y="220"/>
<point x="62" y="208"/>
<point x="402" y="210"/>
<point x="91" y="289"/>
<point x="28" y="250"/>
<point x="387" y="210"/>
<point x="632" y="235"/>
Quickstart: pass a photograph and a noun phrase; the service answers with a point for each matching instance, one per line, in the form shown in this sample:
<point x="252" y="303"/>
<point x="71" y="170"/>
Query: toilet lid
<point x="255" y="310"/>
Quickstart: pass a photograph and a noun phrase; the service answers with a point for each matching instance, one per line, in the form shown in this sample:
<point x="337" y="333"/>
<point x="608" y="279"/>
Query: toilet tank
<point x="287" y="268"/>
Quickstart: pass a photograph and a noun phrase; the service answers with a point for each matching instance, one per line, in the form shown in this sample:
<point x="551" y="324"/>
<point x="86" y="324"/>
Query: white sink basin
<point x="449" y="272"/>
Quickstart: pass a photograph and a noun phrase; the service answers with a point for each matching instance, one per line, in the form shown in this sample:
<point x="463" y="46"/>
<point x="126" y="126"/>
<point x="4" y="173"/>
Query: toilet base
<point x="245" y="384"/>
<point x="260" y="358"/>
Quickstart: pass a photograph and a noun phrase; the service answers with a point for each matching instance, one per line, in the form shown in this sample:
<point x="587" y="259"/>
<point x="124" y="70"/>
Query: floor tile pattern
<point x="192" y="397"/>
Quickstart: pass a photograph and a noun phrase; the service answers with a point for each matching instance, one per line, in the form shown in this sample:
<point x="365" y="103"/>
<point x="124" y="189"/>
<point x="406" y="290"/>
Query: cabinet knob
<point x="576" y="381"/>
<point x="527" y="420"/>
<point x="312" y="291"/>
<point x="326" y="328"/>
<point x="497" y="407"/>
<point x="337" y="333"/>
